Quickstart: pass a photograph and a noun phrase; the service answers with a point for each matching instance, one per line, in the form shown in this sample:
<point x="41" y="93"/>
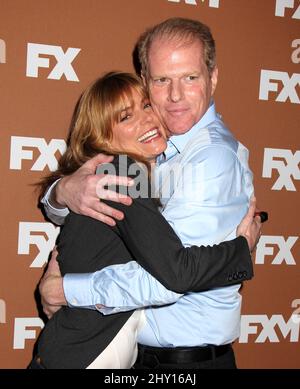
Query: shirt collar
<point x="180" y="141"/>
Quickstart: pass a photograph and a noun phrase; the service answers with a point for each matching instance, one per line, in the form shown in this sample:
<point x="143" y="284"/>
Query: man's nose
<point x="175" y="92"/>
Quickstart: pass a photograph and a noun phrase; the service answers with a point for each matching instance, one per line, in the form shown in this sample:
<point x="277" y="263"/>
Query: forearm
<point x="180" y="269"/>
<point x="129" y="286"/>
<point x="117" y="288"/>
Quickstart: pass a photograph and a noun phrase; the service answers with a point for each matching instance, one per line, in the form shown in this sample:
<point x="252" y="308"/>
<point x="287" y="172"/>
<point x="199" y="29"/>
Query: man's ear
<point x="214" y="79"/>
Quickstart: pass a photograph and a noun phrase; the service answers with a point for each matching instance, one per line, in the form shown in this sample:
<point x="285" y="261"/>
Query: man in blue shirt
<point x="204" y="201"/>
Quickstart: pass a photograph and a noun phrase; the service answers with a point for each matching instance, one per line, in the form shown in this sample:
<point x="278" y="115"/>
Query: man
<point x="204" y="202"/>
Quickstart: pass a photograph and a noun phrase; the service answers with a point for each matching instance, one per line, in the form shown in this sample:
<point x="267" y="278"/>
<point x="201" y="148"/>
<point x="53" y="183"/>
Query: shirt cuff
<point x="77" y="289"/>
<point x="110" y="311"/>
<point x="63" y="212"/>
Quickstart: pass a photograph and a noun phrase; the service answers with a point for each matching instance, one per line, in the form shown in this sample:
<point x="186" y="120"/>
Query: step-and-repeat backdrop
<point x="51" y="50"/>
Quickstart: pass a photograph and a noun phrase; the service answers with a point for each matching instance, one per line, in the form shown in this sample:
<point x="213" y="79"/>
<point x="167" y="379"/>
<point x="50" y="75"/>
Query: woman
<point x="114" y="116"/>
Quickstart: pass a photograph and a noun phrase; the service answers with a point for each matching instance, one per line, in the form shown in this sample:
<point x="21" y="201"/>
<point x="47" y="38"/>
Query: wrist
<point x="248" y="240"/>
<point x="52" y="291"/>
<point x="57" y="196"/>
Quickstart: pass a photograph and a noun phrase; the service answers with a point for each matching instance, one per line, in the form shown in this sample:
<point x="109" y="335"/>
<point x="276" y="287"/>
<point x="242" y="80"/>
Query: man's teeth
<point x="148" y="135"/>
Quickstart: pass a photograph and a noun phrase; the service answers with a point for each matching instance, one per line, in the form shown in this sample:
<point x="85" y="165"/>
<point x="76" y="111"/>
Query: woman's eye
<point x="161" y="80"/>
<point x="147" y="105"/>
<point x="124" y="117"/>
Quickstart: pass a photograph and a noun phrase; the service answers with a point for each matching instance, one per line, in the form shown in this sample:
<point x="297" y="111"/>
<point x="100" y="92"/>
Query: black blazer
<point x="74" y="337"/>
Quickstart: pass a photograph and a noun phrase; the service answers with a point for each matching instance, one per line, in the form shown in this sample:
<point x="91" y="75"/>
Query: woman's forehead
<point x="133" y="96"/>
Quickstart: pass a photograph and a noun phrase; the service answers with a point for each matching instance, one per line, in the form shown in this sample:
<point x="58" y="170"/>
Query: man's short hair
<point x="182" y="29"/>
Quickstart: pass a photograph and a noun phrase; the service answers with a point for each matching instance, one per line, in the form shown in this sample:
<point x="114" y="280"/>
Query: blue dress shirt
<point x="205" y="184"/>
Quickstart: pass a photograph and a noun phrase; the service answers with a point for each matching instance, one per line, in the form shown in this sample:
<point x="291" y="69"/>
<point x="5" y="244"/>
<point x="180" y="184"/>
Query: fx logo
<point x="284" y="254"/>
<point x="289" y="85"/>
<point x="2" y="51"/>
<point x="287" y="169"/>
<point x="251" y="323"/>
<point x="42" y="235"/>
<point x="281" y="5"/>
<point x="211" y="3"/>
<point x="47" y="152"/>
<point x="62" y="67"/>
<point x="21" y="333"/>
<point x="2" y="312"/>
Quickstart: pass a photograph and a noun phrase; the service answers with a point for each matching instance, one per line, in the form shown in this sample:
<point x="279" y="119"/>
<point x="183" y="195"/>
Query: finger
<point x="109" y="179"/>
<point x="50" y="310"/>
<point x="257" y="219"/>
<point x="120" y="180"/>
<point x="47" y="314"/>
<point x="106" y="210"/>
<point x="54" y="252"/>
<point x="116" y="197"/>
<point x="248" y="218"/>
<point x="263" y="216"/>
<point x="104" y="213"/>
<point x="252" y="207"/>
<point x="52" y="263"/>
<point x="53" y="268"/>
<point x="102" y="218"/>
<point x="92" y="164"/>
<point x="45" y="308"/>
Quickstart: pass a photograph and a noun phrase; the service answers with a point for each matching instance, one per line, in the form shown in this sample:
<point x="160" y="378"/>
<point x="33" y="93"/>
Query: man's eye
<point x="192" y="78"/>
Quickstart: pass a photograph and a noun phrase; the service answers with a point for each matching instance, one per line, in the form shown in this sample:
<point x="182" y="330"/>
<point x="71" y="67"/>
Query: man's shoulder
<point x="211" y="139"/>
